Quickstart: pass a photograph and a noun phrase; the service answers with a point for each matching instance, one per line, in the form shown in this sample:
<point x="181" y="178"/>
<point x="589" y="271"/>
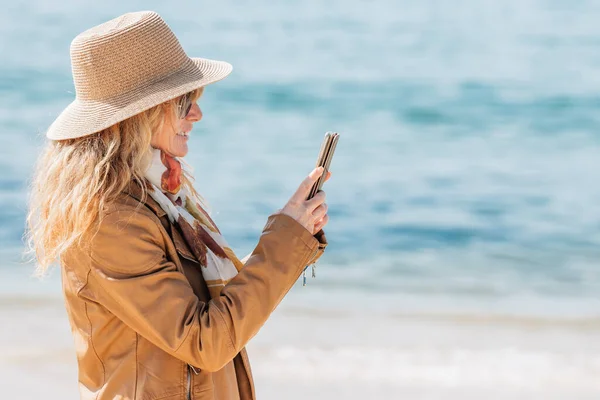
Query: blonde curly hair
<point x="76" y="179"/>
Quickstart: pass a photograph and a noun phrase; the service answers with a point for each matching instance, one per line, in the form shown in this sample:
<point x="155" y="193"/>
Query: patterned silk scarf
<point x="219" y="263"/>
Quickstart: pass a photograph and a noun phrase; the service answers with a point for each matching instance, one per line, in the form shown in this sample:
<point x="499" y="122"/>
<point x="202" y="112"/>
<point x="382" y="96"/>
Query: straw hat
<point x="125" y="66"/>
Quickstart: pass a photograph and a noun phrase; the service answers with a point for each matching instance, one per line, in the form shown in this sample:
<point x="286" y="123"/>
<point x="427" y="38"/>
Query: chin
<point x="180" y="152"/>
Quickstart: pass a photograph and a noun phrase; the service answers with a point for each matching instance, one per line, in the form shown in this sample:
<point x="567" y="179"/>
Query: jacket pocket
<point x="159" y="375"/>
<point x="202" y="385"/>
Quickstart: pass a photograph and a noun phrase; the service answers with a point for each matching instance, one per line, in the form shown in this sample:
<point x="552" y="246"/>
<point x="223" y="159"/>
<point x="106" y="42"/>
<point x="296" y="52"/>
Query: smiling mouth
<point x="184" y="134"/>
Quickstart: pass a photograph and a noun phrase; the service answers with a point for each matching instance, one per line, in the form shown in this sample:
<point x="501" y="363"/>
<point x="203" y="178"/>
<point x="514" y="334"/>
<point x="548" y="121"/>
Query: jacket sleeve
<point x="320" y="236"/>
<point x="131" y="277"/>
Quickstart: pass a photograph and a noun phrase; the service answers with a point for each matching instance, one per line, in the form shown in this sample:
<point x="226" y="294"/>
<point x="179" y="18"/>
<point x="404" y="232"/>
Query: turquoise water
<point x="466" y="172"/>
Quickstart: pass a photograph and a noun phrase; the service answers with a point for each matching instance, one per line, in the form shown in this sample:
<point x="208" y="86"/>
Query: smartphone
<point x="324" y="160"/>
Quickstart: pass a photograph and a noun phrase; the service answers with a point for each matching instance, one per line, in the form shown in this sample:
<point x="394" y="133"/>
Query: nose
<point x="195" y="113"/>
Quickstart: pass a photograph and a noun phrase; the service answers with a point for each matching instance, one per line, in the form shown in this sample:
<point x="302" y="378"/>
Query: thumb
<point x="307" y="184"/>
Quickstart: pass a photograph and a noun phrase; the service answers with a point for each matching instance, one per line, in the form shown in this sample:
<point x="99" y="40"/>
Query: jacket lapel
<point x="181" y="246"/>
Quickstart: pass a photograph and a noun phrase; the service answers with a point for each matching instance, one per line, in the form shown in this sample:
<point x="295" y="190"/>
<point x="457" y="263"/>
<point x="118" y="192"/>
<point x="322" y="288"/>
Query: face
<point x="174" y="135"/>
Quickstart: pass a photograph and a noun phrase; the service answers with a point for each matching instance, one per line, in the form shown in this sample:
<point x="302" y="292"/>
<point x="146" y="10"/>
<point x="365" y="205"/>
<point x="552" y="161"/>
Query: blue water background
<point x="466" y="173"/>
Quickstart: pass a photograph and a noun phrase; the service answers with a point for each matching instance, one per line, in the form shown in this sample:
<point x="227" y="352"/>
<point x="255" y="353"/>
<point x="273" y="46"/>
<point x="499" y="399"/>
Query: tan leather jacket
<point x="144" y="325"/>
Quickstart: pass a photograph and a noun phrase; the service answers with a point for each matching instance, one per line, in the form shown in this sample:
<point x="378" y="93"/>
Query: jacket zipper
<point x="189" y="380"/>
<point x="189" y="384"/>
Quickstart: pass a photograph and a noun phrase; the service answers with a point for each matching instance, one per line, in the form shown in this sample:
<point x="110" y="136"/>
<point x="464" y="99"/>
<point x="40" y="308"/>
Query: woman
<point x="160" y="306"/>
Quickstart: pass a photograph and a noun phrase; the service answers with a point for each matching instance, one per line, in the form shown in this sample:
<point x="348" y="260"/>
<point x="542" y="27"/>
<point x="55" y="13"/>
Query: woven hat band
<point x="124" y="54"/>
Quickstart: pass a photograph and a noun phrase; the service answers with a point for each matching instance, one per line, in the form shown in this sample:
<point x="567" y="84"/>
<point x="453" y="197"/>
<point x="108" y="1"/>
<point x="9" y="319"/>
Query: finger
<point x="321" y="224"/>
<point x="320" y="212"/>
<point x="316" y="201"/>
<point x="307" y="184"/>
<point x="328" y="176"/>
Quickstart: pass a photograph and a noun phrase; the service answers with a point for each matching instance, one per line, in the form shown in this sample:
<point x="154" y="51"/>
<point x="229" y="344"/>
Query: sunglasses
<point x="185" y="105"/>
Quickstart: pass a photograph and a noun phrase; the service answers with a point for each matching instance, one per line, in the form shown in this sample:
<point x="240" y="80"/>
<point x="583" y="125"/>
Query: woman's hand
<point x="312" y="214"/>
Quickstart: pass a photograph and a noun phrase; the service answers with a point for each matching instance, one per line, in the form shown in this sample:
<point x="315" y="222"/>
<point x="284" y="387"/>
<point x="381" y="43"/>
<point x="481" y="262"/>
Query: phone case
<point x="324" y="160"/>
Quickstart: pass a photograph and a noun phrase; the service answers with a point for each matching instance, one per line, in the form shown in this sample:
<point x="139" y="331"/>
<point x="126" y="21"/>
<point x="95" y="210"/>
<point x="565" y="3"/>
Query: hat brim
<point x="85" y="117"/>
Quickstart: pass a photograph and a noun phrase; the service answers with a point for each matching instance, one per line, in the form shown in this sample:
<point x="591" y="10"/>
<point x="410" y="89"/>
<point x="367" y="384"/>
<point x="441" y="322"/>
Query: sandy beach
<point x="307" y="352"/>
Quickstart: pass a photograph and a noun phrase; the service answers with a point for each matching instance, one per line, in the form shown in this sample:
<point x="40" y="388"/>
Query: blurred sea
<point x="464" y="206"/>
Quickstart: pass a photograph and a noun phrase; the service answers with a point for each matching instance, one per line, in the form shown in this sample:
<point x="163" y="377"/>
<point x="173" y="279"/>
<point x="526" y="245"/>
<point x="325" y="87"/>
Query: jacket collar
<point x="134" y="190"/>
